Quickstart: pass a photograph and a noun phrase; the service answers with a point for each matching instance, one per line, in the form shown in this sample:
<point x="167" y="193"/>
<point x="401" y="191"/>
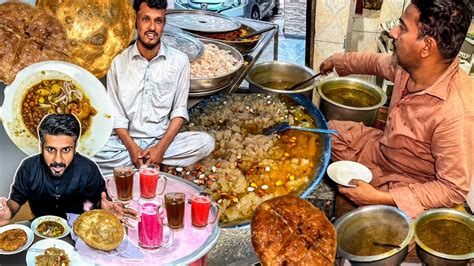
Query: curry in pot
<point x="447" y="236"/>
<point x="55" y="96"/>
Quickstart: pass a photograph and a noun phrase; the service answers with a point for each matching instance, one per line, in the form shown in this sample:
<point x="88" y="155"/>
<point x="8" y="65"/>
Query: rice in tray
<point x="247" y="167"/>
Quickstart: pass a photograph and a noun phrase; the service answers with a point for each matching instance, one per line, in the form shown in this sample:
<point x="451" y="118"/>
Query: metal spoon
<point x="285" y="126"/>
<point x="385" y="245"/>
<point x="294" y="86"/>
<point x="254" y="33"/>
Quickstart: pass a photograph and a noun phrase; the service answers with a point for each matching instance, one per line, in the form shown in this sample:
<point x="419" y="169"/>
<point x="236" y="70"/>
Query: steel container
<point x="200" y="85"/>
<point x="276" y="71"/>
<point x="430" y="256"/>
<point x="372" y="216"/>
<point x="336" y="111"/>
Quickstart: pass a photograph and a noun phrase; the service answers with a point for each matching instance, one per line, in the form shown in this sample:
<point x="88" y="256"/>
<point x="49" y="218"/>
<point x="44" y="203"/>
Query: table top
<point x="190" y="244"/>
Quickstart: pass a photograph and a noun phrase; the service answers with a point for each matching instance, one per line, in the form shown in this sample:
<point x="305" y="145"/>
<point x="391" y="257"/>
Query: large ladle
<point x="294" y="86"/>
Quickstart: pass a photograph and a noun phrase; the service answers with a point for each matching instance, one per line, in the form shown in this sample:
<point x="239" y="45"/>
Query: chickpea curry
<point x="55" y="96"/>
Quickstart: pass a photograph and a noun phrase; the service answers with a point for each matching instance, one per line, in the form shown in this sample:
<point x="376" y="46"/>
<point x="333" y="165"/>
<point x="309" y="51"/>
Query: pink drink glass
<point x="200" y="208"/>
<point x="150" y="227"/>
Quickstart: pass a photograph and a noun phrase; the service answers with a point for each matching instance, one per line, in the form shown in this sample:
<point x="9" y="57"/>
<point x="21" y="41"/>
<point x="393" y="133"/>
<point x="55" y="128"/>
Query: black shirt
<point x="50" y="195"/>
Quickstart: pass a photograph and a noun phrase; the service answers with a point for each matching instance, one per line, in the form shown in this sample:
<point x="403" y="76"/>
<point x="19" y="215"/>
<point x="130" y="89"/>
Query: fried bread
<point x="99" y="229"/>
<point x="12" y="239"/>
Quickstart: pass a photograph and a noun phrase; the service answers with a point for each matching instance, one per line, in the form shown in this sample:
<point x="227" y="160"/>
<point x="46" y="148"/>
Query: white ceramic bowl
<point x="36" y="222"/>
<point x="342" y="172"/>
<point x="101" y="126"/>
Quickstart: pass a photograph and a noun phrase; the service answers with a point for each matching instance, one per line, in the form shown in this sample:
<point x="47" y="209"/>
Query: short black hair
<point x="447" y="21"/>
<point x="59" y="125"/>
<point x="158" y="4"/>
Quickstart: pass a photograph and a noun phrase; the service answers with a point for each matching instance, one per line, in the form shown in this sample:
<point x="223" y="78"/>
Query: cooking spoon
<point x="285" y="126"/>
<point x="254" y="33"/>
<point x="294" y="86"/>
<point x="385" y="245"/>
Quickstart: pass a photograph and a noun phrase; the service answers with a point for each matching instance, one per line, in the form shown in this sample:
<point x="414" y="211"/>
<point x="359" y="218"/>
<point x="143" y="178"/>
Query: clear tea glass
<point x="123" y="179"/>
<point x="174" y="203"/>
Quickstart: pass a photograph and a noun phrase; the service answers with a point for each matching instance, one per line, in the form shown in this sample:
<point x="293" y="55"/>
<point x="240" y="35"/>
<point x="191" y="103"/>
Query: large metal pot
<point x="377" y="217"/>
<point x="333" y="110"/>
<point x="427" y="254"/>
<point x="200" y="85"/>
<point x="280" y="72"/>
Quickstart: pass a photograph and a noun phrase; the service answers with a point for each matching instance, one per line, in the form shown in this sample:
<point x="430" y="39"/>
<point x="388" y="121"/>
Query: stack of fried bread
<point x="99" y="229"/>
<point x="288" y="230"/>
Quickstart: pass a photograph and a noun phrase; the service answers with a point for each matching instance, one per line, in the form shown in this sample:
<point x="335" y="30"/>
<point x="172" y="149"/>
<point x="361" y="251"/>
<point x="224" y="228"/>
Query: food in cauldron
<point x="232" y="35"/>
<point x="247" y="167"/>
<point x="214" y="62"/>
<point x="55" y="96"/>
<point x="288" y="230"/>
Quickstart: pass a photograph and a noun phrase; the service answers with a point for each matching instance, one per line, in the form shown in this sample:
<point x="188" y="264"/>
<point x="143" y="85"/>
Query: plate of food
<point x="52" y="252"/>
<point x="15" y="238"/>
<point x="50" y="226"/>
<point x="342" y="172"/>
<point x="56" y="87"/>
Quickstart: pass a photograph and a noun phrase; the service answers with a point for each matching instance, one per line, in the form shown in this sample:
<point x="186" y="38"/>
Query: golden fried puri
<point x="12" y="239"/>
<point x="99" y="229"/>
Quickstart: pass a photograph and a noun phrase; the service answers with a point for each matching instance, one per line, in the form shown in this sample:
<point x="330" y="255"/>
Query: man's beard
<point x="147" y="45"/>
<point x="54" y="173"/>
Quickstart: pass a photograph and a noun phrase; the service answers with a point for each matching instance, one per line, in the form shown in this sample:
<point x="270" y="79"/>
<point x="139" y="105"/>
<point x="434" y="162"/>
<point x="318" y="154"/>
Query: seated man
<point x="423" y="159"/>
<point x="59" y="180"/>
<point x="148" y="84"/>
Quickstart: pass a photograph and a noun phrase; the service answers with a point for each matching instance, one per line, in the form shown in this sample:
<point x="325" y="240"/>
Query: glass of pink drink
<point x="150" y="227"/>
<point x="200" y="208"/>
<point x="149" y="175"/>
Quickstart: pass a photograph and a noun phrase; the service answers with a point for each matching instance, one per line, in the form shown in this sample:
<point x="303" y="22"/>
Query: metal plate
<point x="206" y="93"/>
<point x="185" y="43"/>
<point x="199" y="20"/>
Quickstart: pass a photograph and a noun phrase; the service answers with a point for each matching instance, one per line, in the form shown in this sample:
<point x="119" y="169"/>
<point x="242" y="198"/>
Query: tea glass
<point x="174" y="202"/>
<point x="123" y="178"/>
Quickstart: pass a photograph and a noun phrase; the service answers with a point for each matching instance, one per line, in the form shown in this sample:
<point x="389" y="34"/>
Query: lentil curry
<point x="246" y="167"/>
<point x="55" y="96"/>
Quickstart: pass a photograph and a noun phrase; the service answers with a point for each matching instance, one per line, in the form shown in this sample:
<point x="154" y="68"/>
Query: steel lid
<point x="199" y="20"/>
<point x="185" y="43"/>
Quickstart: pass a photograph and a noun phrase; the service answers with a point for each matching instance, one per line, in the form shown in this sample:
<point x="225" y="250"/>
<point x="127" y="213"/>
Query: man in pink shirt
<point x="423" y="159"/>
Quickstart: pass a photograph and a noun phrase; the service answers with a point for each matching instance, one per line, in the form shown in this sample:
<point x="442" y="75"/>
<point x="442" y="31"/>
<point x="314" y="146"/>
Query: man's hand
<point x="154" y="154"/>
<point x="365" y="194"/>
<point x="5" y="213"/>
<point x="119" y="210"/>
<point x="136" y="155"/>
<point x="326" y="66"/>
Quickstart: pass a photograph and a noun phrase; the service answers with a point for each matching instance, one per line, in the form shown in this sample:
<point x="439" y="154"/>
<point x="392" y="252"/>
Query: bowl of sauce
<point x="444" y="237"/>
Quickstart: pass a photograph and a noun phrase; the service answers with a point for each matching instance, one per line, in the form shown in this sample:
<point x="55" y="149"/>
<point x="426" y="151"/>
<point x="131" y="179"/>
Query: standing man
<point x="59" y="180"/>
<point x="148" y="84"/>
<point x="424" y="158"/>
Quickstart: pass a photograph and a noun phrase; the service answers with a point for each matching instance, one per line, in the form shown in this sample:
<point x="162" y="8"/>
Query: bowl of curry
<point x="56" y="87"/>
<point x="50" y="226"/>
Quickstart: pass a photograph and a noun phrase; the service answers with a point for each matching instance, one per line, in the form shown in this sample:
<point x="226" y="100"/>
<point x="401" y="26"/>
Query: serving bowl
<point x="245" y="46"/>
<point x="441" y="236"/>
<point x="93" y="139"/>
<point x="274" y="76"/>
<point x="349" y="98"/>
<point x="369" y="235"/>
<point x="201" y="85"/>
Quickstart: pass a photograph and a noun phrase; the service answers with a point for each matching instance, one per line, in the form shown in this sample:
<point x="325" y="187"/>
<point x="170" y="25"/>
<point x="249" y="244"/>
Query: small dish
<point x="50" y="218"/>
<point x="39" y="247"/>
<point x="342" y="172"/>
<point x="29" y="237"/>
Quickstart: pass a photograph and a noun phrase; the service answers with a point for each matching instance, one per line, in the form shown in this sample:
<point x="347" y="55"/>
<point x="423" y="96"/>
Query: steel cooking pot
<point x="101" y="126"/>
<point x="353" y="88"/>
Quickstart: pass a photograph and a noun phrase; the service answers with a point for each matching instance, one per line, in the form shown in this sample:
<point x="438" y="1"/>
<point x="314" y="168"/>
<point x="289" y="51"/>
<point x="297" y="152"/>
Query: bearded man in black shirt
<point x="59" y="180"/>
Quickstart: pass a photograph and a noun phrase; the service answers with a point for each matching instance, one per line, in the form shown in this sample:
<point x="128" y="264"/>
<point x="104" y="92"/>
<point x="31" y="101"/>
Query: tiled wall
<point x="332" y="21"/>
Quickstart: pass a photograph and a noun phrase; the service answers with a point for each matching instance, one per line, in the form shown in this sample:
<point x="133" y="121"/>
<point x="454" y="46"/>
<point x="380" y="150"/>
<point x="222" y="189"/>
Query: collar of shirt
<point x="163" y="52"/>
<point x="439" y="89"/>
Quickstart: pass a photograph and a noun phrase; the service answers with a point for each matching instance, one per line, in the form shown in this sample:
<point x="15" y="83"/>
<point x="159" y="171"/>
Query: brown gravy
<point x="447" y="236"/>
<point x="351" y="97"/>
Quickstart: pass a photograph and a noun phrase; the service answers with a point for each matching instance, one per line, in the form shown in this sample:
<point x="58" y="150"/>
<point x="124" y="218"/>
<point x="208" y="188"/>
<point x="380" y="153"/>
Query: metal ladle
<point x="294" y="86"/>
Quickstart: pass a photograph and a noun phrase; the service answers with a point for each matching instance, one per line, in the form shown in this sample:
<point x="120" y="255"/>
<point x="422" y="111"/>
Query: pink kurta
<point x="424" y="157"/>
